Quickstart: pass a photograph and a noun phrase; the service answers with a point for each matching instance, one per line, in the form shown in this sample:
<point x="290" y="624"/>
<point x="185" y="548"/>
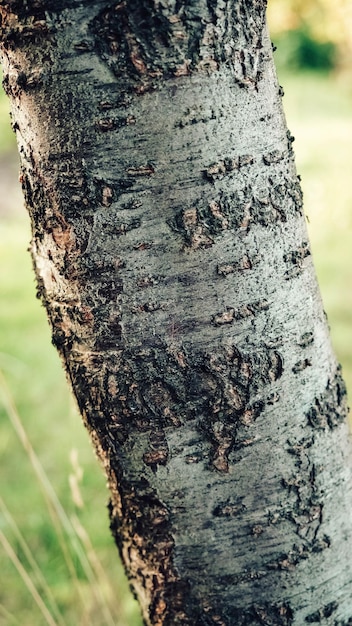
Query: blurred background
<point x="58" y="562"/>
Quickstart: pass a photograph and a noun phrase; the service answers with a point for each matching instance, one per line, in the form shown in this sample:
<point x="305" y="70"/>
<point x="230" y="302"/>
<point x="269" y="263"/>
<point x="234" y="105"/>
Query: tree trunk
<point x="171" y="254"/>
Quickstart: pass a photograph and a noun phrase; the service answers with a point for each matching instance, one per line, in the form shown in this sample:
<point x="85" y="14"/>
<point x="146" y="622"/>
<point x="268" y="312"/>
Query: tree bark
<point x="171" y="254"/>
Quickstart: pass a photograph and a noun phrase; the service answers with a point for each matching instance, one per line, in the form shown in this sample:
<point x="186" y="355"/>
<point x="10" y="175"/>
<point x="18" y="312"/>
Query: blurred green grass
<point x="318" y="109"/>
<point x="319" y="113"/>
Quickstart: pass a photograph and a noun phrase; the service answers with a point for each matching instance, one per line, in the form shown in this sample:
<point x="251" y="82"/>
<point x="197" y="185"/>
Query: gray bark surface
<point x="171" y="254"/>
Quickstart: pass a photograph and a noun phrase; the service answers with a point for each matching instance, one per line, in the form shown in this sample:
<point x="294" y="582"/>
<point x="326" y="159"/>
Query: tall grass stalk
<point x="32" y="562"/>
<point x="60" y="520"/>
<point x="74" y="480"/>
<point x="94" y="560"/>
<point x="11" y="620"/>
<point x="27" y="580"/>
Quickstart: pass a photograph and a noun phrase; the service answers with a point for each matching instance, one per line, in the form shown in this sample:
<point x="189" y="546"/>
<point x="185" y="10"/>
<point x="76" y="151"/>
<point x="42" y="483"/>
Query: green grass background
<point x="318" y="109"/>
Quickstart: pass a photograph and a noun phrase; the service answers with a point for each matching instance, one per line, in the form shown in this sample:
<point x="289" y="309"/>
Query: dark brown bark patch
<point x="255" y="615"/>
<point x="270" y="201"/>
<point x="246" y="310"/>
<point x="22" y="21"/>
<point x="330" y="409"/>
<point x="295" y="260"/>
<point x="323" y="613"/>
<point x="194" y="232"/>
<point x="143" y="41"/>
<point x="141" y="526"/>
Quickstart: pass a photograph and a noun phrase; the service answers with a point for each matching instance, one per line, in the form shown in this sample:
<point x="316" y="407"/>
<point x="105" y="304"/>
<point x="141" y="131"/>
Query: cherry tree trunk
<point x="171" y="254"/>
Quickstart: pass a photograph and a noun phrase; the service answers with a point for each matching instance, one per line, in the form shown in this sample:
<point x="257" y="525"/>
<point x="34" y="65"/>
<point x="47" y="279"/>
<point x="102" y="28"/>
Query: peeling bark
<point x="172" y="257"/>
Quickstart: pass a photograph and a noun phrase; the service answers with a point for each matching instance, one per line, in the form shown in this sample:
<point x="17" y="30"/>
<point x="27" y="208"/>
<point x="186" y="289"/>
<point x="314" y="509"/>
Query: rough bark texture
<point x="171" y="254"/>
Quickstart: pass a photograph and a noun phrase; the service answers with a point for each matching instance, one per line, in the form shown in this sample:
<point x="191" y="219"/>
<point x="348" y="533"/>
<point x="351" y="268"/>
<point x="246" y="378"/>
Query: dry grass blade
<point x="27" y="580"/>
<point x="11" y="620"/>
<point x="97" y="567"/>
<point x="58" y="515"/>
<point x="32" y="562"/>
